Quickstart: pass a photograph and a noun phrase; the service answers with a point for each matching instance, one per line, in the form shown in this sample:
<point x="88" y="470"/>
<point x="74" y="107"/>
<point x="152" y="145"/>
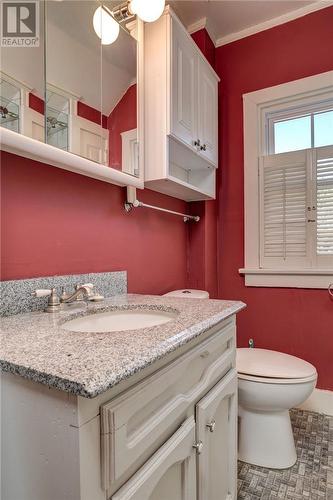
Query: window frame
<point x="257" y="106"/>
<point x="289" y="113"/>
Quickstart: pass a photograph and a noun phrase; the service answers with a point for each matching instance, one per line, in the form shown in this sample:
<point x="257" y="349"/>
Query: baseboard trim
<point x="320" y="401"/>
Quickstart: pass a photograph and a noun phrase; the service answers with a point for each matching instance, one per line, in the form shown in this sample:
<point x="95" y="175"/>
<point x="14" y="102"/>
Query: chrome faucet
<point x="82" y="292"/>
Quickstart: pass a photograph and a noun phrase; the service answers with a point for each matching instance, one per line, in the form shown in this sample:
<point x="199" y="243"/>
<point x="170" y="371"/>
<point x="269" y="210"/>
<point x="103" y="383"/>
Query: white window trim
<point x="255" y="104"/>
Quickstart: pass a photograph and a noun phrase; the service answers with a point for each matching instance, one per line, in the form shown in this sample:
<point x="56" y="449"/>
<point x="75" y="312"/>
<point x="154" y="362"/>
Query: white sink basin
<point x="119" y="320"/>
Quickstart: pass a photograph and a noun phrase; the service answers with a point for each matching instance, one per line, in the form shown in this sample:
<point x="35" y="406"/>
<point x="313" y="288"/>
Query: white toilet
<point x="269" y="384"/>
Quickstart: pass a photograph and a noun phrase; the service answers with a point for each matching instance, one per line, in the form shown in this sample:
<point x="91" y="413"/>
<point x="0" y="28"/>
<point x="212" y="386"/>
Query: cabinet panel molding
<point x="178" y="450"/>
<point x="134" y="424"/>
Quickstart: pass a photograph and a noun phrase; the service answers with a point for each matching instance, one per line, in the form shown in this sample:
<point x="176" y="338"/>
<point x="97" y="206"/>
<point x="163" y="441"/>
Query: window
<point x="301" y="132"/>
<point x="296" y="209"/>
<point x="288" y="147"/>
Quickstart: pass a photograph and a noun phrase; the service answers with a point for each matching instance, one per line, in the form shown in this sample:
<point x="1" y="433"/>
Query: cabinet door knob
<point x="197" y="143"/>
<point x="198" y="447"/>
<point x="203" y="147"/>
<point x="211" y="426"/>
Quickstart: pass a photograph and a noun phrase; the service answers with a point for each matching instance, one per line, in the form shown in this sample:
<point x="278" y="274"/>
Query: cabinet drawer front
<point x="170" y="473"/>
<point x="136" y="423"/>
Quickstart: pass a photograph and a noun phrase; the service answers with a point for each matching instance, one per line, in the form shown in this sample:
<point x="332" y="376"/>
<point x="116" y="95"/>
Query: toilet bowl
<point x="269" y="384"/>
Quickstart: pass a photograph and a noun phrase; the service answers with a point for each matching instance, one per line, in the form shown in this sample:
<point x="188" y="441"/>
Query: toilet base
<point x="266" y="438"/>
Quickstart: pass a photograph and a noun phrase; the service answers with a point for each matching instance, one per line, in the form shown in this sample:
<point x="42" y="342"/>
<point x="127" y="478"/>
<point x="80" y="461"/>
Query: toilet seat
<point x="271" y="367"/>
<point x="266" y="380"/>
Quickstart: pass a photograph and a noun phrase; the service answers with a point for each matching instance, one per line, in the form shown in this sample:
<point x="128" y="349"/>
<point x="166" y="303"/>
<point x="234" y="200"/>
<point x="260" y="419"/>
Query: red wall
<point x="91" y="114"/>
<point x="205" y="44"/>
<point x="57" y="222"/>
<point x="299" y="322"/>
<point x="36" y="103"/>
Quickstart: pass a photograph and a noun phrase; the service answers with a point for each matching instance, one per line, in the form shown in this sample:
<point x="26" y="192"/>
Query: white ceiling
<point x="225" y="18"/>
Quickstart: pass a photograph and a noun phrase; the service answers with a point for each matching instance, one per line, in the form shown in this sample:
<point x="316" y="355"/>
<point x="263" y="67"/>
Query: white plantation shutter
<point x="323" y="167"/>
<point x="284" y="228"/>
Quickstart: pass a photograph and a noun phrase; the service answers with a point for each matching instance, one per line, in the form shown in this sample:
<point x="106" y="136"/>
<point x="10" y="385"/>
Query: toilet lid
<point x="188" y="293"/>
<point x="272" y="364"/>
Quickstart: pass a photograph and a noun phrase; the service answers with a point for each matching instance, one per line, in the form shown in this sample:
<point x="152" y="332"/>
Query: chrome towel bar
<point x="140" y="204"/>
<point x="330" y="289"/>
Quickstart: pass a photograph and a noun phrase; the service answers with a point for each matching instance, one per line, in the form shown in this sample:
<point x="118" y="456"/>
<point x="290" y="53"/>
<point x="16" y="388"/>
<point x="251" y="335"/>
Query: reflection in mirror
<point x="119" y="99"/>
<point x="10" y="104"/>
<point x="84" y="98"/>
<point x="22" y="86"/>
<point x="91" y="84"/>
<point x="73" y="80"/>
<point x="57" y="118"/>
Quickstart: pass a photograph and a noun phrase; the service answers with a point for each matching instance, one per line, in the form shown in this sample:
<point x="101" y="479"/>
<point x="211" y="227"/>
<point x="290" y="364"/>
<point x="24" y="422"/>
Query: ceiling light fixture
<point x="106" y="21"/>
<point x="105" y="26"/>
<point x="147" y="10"/>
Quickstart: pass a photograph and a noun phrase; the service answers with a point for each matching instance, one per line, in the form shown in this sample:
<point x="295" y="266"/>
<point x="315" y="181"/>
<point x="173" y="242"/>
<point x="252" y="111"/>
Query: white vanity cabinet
<point x="183" y="414"/>
<point x="199" y="460"/>
<point x="181" y="112"/>
<point x="167" y="432"/>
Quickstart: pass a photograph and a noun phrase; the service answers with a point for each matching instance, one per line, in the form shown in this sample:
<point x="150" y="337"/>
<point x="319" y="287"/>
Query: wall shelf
<point x="26" y="147"/>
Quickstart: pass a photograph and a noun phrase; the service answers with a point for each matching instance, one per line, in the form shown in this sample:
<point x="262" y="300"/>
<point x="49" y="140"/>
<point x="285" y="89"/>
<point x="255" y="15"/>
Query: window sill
<point x="288" y="278"/>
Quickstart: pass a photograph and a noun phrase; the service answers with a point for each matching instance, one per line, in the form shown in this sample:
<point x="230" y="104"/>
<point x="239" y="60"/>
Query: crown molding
<point x="271" y="23"/>
<point x="200" y="24"/>
<point x="197" y="26"/>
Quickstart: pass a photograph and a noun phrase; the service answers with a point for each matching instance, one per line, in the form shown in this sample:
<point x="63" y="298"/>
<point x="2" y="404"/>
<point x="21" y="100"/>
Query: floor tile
<point x="312" y="475"/>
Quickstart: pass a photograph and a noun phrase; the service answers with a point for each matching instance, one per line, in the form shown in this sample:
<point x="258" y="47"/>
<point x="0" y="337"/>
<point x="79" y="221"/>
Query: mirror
<point x="22" y="76"/>
<point x="84" y="98"/>
<point x="119" y="101"/>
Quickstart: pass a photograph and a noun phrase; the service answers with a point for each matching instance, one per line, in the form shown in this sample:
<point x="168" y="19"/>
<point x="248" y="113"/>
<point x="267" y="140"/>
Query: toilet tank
<point x="188" y="293"/>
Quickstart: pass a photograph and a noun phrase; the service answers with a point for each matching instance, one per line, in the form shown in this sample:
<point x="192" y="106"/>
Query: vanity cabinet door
<point x="169" y="474"/>
<point x="216" y="420"/>
<point x="184" y="79"/>
<point x="208" y="113"/>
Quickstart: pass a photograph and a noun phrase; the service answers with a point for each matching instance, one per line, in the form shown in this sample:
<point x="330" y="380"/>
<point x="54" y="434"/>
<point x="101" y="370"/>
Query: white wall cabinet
<point x="208" y="114"/>
<point x="181" y="113"/>
<point x="184" y="88"/>
<point x="168" y="432"/>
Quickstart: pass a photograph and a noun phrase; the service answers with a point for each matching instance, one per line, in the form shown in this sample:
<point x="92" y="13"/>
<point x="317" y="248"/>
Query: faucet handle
<point x="42" y="292"/>
<point x="53" y="304"/>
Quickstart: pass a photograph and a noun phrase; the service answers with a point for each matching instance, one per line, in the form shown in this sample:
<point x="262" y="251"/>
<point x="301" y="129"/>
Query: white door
<point x="216" y="417"/>
<point x="33" y="124"/>
<point x="208" y="113"/>
<point x="169" y="474"/>
<point x="184" y="79"/>
<point x="88" y="139"/>
<point x="91" y="146"/>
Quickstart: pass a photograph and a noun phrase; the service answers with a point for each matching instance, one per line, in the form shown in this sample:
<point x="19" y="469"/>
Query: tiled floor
<point x="312" y="475"/>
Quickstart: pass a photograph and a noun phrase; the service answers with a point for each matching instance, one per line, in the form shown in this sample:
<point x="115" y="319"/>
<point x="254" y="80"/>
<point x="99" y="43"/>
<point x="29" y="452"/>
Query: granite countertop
<point x="34" y="345"/>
